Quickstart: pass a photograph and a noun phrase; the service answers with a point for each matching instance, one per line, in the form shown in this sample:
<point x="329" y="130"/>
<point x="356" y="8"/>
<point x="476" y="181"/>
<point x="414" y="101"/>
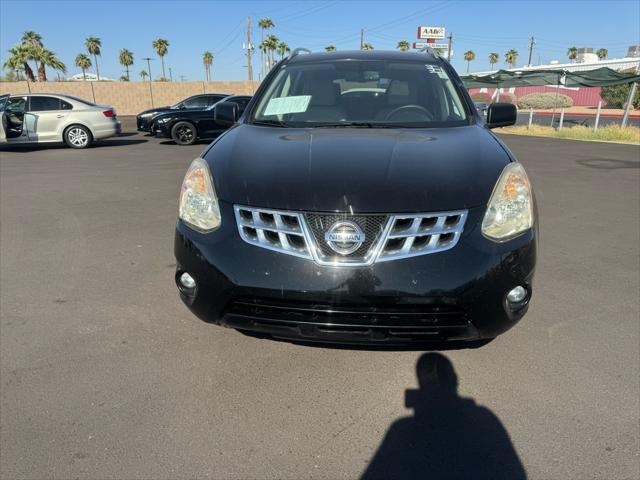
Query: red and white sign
<point x="439" y="46"/>
<point x="430" y="32"/>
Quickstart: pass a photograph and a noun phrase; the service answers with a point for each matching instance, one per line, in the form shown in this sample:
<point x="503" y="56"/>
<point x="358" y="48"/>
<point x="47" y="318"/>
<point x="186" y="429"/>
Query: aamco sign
<point x="430" y="32"/>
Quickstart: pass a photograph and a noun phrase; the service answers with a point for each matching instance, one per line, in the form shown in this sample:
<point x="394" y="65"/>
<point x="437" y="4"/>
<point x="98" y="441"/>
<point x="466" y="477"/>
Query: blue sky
<point x="220" y="26"/>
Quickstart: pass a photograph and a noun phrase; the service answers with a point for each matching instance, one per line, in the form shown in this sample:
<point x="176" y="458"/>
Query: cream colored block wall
<point x="130" y="98"/>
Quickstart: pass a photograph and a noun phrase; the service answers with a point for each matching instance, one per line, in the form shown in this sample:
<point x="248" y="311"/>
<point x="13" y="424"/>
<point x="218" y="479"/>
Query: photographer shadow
<point x="449" y="437"/>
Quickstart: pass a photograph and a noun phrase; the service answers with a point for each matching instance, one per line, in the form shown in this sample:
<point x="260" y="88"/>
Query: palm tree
<point x="602" y="53"/>
<point x="93" y="45"/>
<point x="367" y="46"/>
<point x="32" y="38"/>
<point x="126" y="60"/>
<point x="47" y="58"/>
<point x="330" y="48"/>
<point x="283" y="48"/>
<point x="572" y="53"/>
<point x="19" y="57"/>
<point x="207" y="60"/>
<point x="83" y="62"/>
<point x="264" y="24"/>
<point x="403" y="45"/>
<point x="511" y="57"/>
<point x="143" y="74"/>
<point x="272" y="45"/>
<point x="493" y="59"/>
<point x="161" y="46"/>
<point x="469" y="56"/>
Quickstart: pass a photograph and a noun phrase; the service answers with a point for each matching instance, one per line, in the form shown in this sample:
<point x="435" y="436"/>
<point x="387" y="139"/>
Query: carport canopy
<point x="599" y="77"/>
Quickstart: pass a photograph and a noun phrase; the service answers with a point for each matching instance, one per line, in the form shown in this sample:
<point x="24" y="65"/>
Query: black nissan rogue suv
<point x="359" y="198"/>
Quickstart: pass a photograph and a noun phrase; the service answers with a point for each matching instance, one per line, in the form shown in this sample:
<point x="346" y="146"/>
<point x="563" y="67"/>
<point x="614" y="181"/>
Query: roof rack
<point x="298" y="51"/>
<point x="430" y="50"/>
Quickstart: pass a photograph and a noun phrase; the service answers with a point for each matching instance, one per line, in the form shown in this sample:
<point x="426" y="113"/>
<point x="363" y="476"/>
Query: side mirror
<point x="226" y="113"/>
<point x="501" y="115"/>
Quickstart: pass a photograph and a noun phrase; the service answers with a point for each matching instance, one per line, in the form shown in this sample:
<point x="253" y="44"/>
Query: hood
<point x="357" y="169"/>
<point x="156" y="110"/>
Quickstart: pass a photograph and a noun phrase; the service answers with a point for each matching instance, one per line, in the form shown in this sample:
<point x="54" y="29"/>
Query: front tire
<point x="78" y="136"/>
<point x="184" y="133"/>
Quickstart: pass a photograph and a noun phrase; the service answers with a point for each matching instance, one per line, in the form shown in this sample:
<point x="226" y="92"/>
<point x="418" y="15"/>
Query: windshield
<point x="3" y="102"/>
<point x="80" y="100"/>
<point x="361" y="93"/>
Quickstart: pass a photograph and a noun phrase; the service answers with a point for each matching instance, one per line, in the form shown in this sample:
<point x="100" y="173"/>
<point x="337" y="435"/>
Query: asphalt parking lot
<point x="105" y="374"/>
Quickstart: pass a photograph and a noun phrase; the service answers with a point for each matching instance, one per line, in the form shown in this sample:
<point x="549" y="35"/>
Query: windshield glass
<point x="361" y="93"/>
<point x="80" y="100"/>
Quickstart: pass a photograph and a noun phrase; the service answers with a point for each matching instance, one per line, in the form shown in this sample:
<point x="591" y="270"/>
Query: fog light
<point x="187" y="281"/>
<point x="517" y="295"/>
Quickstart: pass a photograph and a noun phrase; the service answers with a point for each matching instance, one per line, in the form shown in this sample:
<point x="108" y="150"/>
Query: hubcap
<point x="78" y="137"/>
<point x="184" y="134"/>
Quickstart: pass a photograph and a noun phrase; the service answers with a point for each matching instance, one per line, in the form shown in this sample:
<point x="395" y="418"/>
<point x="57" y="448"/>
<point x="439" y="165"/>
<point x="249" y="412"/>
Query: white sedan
<point x="50" y="118"/>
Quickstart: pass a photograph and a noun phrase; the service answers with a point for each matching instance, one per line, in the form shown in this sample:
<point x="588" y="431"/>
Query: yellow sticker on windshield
<point x="282" y="105"/>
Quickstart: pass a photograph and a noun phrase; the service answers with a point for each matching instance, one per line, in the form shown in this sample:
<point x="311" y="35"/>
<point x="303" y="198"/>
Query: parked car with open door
<point x="51" y="118"/>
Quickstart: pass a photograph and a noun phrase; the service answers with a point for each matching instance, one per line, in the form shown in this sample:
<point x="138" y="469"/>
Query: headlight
<point x="198" y="202"/>
<point x="163" y="120"/>
<point x="510" y="209"/>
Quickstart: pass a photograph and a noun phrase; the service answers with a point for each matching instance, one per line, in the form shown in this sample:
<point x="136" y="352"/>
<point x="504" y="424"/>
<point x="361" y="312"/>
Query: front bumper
<point x="143" y="124"/>
<point x="459" y="294"/>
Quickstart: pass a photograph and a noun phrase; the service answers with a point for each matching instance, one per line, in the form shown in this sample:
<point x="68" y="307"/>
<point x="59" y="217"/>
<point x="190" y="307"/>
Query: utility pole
<point x="532" y="42"/>
<point x="170" y="74"/>
<point x="361" y="38"/>
<point x="450" y="44"/>
<point x="249" y="49"/>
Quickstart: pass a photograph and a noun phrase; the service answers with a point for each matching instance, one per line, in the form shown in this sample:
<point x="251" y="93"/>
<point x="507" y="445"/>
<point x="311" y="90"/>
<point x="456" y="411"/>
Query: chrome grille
<point x="386" y="237"/>
<point x="272" y="229"/>
<point x="419" y="234"/>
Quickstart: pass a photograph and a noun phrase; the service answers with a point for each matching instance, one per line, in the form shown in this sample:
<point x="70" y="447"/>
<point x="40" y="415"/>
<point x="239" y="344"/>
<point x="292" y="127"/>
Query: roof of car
<point x="363" y="55"/>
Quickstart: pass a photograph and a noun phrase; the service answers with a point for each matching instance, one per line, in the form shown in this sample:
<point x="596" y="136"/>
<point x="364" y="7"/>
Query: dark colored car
<point x="185" y="127"/>
<point x="359" y="198"/>
<point x="144" y="119"/>
<point x="481" y="108"/>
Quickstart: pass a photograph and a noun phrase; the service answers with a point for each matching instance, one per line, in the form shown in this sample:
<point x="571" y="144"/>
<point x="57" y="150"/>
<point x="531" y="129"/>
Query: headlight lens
<point x="510" y="209"/>
<point x="162" y="120"/>
<point x="198" y="202"/>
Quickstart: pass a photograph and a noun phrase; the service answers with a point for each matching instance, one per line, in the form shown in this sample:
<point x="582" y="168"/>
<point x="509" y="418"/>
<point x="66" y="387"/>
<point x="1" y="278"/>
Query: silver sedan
<point x="50" y="118"/>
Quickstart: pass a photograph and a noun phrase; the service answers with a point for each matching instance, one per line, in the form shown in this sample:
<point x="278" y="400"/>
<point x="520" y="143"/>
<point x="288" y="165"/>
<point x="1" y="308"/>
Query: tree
<point x="602" y="53"/>
<point x="469" y="56"/>
<point x="93" y="45"/>
<point x="143" y="74"/>
<point x="19" y="56"/>
<point x="616" y="96"/>
<point x="283" y="48"/>
<point x="330" y="48"/>
<point x="47" y="58"/>
<point x="207" y="60"/>
<point x="272" y="45"/>
<point x="161" y="47"/>
<point x="83" y="63"/>
<point x="493" y="59"/>
<point x="403" y="45"/>
<point x="32" y="38"/>
<point x="264" y="24"/>
<point x="572" y="54"/>
<point x="511" y="57"/>
<point x="126" y="60"/>
<point x="367" y="46"/>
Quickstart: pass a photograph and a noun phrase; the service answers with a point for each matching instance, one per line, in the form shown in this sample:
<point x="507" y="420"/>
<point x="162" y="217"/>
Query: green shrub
<point x="481" y="97"/>
<point x="616" y="96"/>
<point x="545" y="100"/>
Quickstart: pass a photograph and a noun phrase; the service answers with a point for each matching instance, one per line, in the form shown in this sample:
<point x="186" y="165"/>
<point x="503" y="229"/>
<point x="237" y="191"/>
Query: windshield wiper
<point x="354" y="125"/>
<point x="272" y="123"/>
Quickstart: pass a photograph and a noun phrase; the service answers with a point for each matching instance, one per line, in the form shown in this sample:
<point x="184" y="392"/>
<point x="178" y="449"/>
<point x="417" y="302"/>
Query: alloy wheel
<point x="78" y="137"/>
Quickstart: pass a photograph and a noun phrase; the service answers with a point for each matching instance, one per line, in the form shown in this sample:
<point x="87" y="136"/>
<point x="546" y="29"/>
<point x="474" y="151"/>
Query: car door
<point x="3" y="102"/>
<point x="44" y="118"/>
<point x="14" y="127"/>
